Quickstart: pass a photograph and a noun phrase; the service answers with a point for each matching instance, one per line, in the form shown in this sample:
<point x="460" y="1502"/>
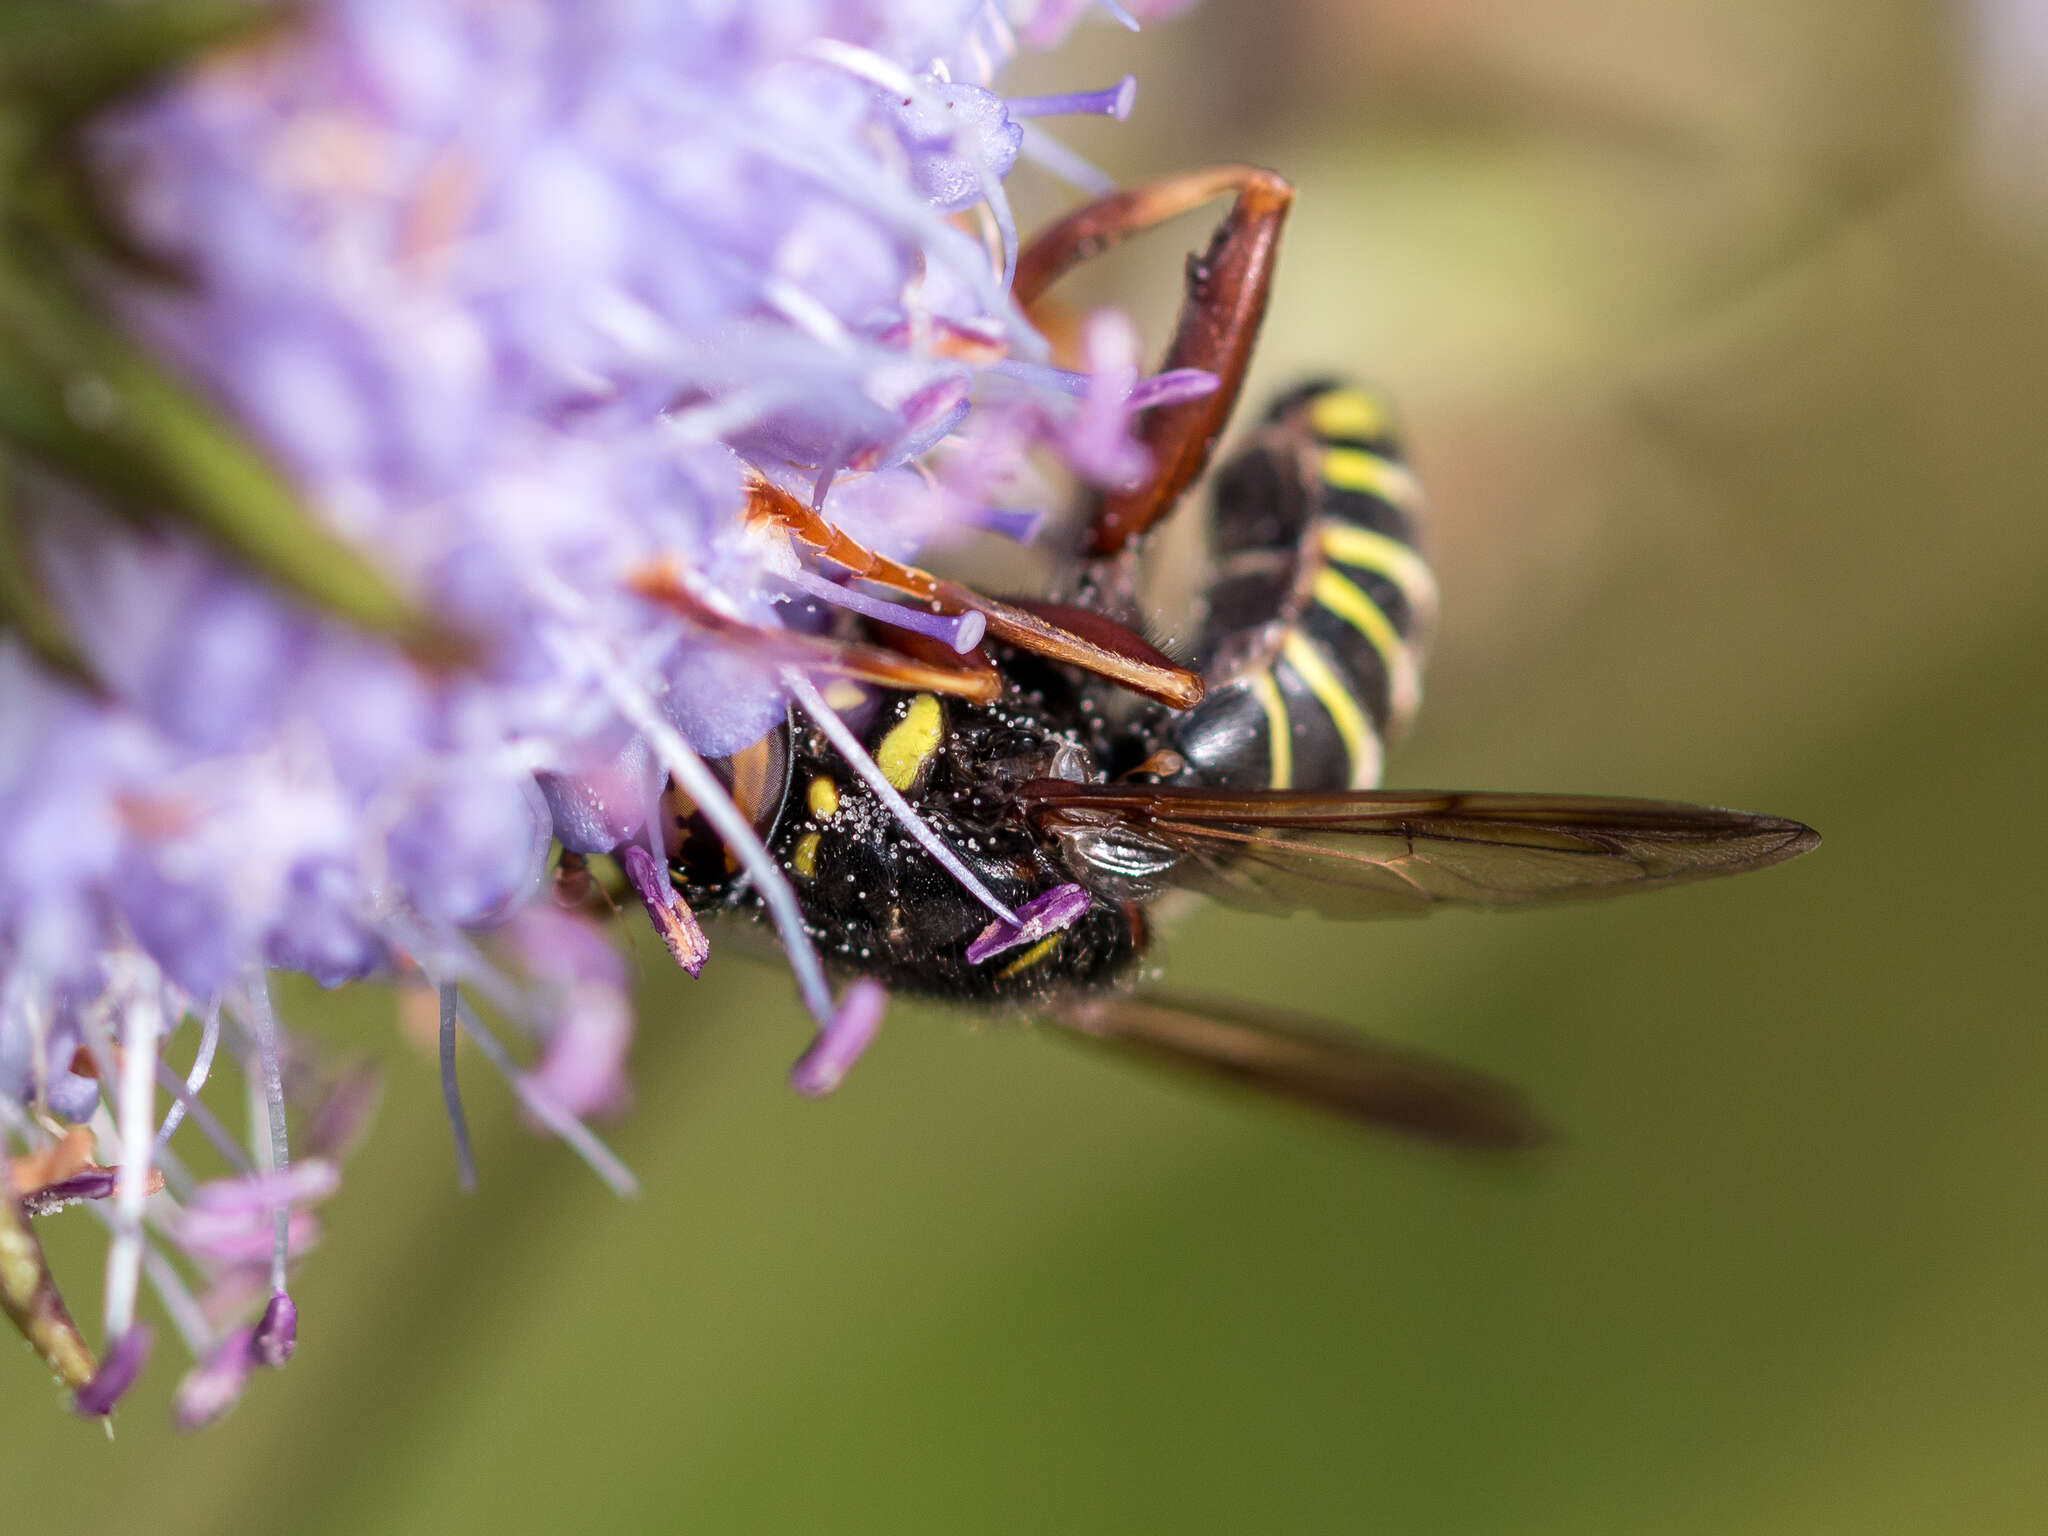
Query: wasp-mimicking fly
<point x="1071" y="765"/>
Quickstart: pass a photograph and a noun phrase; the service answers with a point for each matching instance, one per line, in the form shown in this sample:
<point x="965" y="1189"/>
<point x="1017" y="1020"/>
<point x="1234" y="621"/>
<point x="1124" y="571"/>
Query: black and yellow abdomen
<point x="1320" y="604"/>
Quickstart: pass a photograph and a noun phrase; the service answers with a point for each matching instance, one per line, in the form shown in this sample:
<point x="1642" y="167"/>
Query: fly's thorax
<point x="874" y="900"/>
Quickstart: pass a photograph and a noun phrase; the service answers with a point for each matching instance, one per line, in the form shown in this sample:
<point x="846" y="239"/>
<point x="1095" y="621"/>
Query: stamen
<point x="1111" y="101"/>
<point x="202" y="1067"/>
<point x="1122" y="17"/>
<point x="208" y="1122"/>
<point x="179" y="1304"/>
<point x="849" y="747"/>
<point x="671" y="915"/>
<point x="258" y="993"/>
<point x="846" y="1035"/>
<point x="141" y="1023"/>
<point x="93" y="1184"/>
<point x="1065" y="380"/>
<point x="997" y="201"/>
<point x="1172" y="387"/>
<point x="865" y="63"/>
<point x="345" y="1113"/>
<point x="1045" y="914"/>
<point x="277" y="1335"/>
<point x="963" y="632"/>
<point x="602" y="1160"/>
<point x="117" y="1373"/>
<point x="1176" y="386"/>
<point x="823" y="483"/>
<point x="736" y="830"/>
<point x="451" y="1094"/>
<point x="1018" y="523"/>
<point x="1044" y="150"/>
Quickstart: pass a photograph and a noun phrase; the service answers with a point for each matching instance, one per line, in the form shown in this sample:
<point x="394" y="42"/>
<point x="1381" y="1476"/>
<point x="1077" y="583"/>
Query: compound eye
<point x="757" y="777"/>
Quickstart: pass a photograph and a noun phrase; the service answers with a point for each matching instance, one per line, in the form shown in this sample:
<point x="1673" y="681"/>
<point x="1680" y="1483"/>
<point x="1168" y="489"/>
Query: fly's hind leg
<point x="1221" y="310"/>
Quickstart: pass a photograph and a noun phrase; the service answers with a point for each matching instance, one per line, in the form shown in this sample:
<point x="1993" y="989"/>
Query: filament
<point x="842" y="737"/>
<point x="451" y="1093"/>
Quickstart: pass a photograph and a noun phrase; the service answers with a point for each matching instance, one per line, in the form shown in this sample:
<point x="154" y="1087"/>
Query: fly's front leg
<point x="1223" y="306"/>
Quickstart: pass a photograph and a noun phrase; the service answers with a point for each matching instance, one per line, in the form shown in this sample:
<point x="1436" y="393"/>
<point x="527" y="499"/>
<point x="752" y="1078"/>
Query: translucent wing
<point x="1357" y="1078"/>
<point x="1401" y="852"/>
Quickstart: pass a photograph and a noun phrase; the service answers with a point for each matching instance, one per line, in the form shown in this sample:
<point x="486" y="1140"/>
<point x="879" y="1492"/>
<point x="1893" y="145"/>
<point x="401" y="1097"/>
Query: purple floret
<point x="521" y="299"/>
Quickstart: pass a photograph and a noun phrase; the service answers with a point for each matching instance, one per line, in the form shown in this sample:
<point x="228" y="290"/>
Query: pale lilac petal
<point x="241" y="1237"/>
<point x="582" y="1069"/>
<point x="207" y="1391"/>
<point x="304" y="1182"/>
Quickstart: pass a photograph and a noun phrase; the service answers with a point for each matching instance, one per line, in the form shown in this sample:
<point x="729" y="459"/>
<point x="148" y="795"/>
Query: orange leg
<point x="1220" y="315"/>
<point x="967" y="679"/>
<point x="1082" y="639"/>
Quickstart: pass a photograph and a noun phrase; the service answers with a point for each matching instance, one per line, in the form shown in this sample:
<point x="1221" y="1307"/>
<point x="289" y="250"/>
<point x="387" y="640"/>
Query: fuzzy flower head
<point x="532" y="304"/>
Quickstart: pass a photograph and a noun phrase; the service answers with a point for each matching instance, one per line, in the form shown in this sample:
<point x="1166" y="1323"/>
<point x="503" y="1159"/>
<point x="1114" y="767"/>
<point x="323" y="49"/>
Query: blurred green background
<point x="1722" y="330"/>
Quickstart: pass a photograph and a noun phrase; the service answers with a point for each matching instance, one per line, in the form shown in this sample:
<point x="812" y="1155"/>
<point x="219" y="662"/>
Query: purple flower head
<point x="525" y="303"/>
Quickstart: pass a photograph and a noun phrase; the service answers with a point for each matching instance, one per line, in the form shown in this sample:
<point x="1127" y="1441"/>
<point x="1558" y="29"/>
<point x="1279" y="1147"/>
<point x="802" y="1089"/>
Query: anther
<point x="1176" y="386"/>
<point x="841" y="1042"/>
<point x="117" y="1373"/>
<point x="1044" y="914"/>
<point x="671" y="915"/>
<point x="1016" y="523"/>
<point x="277" y="1335"/>
<point x="1111" y="101"/>
<point x="963" y="632"/>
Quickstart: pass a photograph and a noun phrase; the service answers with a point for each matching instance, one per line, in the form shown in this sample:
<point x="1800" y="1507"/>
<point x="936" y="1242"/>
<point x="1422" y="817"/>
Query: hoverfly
<point x="1070" y="754"/>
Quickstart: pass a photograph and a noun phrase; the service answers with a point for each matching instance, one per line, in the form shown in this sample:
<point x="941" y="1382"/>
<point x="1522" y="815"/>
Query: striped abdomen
<point x="1319" y="606"/>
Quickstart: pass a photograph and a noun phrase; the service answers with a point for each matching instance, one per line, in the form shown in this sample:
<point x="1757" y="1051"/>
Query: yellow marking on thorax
<point x="1353" y="469"/>
<point x="911" y="742"/>
<point x="844" y="696"/>
<point x="1348" y="601"/>
<point x="1347" y="413"/>
<point x="1279" y="733"/>
<point x="1372" y="551"/>
<point x="1361" y="741"/>
<point x="1030" y="957"/>
<point x="803" y="858"/>
<point x="822" y="798"/>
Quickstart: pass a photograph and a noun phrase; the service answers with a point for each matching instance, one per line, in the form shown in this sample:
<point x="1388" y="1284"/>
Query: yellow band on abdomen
<point x="1371" y="474"/>
<point x="1279" y="734"/>
<point x="1361" y="741"/>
